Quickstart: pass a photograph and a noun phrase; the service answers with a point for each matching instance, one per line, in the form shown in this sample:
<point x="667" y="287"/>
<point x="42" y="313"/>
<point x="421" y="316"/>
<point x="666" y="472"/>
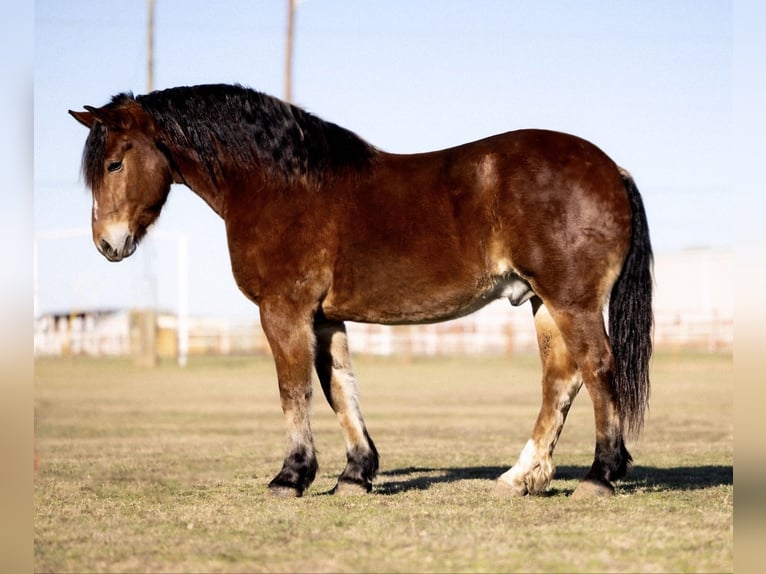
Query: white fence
<point x="689" y="313"/>
<point x="95" y="334"/>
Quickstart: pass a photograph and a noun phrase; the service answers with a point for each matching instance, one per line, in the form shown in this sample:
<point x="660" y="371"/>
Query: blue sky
<point x="649" y="82"/>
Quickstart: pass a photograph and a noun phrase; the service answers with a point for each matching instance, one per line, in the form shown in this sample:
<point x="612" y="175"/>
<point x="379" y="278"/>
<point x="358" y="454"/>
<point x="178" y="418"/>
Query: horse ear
<point x="85" y="118"/>
<point x="113" y="118"/>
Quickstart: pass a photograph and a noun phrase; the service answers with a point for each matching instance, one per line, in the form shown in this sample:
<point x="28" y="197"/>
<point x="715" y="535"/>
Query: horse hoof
<point x="347" y="488"/>
<point x="590" y="488"/>
<point x="506" y="490"/>
<point x="282" y="491"/>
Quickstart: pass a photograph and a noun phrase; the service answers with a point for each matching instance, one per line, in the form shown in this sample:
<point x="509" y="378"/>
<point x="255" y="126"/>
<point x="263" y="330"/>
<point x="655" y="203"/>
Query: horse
<point x="324" y="228"/>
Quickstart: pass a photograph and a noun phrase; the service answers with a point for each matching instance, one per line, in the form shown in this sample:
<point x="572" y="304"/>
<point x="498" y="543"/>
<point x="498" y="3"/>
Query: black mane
<point x="234" y="125"/>
<point x="253" y="127"/>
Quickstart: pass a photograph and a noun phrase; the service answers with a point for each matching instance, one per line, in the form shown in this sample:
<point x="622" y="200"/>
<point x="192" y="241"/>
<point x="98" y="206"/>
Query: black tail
<point x="631" y="320"/>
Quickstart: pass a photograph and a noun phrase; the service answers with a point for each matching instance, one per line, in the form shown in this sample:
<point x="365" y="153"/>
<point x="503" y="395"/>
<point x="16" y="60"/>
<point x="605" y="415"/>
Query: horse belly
<point x="395" y="291"/>
<point x="403" y="308"/>
<point x="393" y="298"/>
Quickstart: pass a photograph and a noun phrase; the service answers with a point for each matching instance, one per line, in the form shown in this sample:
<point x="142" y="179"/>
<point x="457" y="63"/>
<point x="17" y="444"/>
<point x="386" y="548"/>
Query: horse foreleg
<point x="291" y="338"/>
<point x="533" y="471"/>
<point x="333" y="367"/>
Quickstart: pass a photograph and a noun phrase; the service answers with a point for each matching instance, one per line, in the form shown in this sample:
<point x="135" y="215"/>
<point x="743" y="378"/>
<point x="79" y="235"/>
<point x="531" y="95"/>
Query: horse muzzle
<point x="116" y="243"/>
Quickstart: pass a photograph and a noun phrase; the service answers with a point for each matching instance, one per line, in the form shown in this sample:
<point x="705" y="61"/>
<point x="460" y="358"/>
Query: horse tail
<point x="631" y="319"/>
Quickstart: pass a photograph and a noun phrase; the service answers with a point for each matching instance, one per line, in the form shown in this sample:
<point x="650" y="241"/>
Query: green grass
<point x="165" y="470"/>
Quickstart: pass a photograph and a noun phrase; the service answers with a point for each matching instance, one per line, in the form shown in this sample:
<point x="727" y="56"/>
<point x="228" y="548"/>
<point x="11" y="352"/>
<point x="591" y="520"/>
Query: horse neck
<point x="188" y="170"/>
<point x="214" y="187"/>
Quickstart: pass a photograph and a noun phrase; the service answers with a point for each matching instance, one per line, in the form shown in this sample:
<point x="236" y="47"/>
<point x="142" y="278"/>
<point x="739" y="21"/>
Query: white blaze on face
<point x="114" y="240"/>
<point x="116" y="233"/>
<point x="95" y="209"/>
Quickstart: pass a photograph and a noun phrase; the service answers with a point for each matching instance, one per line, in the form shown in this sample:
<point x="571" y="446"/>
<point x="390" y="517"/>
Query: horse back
<point x="433" y="236"/>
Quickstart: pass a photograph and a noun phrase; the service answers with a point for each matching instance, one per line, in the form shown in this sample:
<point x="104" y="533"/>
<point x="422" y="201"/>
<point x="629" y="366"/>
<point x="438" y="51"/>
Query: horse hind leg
<point x="333" y="367"/>
<point x="533" y="471"/>
<point x="585" y="335"/>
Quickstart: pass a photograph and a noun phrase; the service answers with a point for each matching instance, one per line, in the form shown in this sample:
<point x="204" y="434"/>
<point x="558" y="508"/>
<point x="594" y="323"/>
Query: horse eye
<point x="114" y="166"/>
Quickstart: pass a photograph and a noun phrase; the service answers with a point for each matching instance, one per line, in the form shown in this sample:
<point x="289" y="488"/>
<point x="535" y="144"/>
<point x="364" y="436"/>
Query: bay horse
<point x="323" y="228"/>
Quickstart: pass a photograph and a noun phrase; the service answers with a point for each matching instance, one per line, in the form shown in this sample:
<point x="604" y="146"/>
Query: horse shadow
<point x="638" y="479"/>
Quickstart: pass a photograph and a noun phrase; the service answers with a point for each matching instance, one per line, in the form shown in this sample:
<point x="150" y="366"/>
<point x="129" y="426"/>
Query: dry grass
<point x="165" y="470"/>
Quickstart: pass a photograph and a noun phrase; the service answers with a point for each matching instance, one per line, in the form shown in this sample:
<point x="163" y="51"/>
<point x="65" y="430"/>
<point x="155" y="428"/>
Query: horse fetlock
<point x="611" y="463"/>
<point x="297" y="474"/>
<point x="532" y="479"/>
<point x="361" y="468"/>
<point x="539" y="478"/>
<point x="625" y="461"/>
<point x="531" y="474"/>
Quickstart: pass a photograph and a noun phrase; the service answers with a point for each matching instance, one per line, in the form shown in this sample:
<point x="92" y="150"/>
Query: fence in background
<point x="689" y="314"/>
<point x="117" y="334"/>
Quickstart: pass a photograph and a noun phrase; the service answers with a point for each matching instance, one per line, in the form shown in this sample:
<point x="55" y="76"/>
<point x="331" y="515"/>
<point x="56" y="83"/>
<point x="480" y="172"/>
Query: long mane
<point x="230" y="125"/>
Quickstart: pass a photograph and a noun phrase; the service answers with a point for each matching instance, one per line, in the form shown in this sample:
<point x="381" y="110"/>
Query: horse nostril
<point x="106" y="249"/>
<point x="129" y="247"/>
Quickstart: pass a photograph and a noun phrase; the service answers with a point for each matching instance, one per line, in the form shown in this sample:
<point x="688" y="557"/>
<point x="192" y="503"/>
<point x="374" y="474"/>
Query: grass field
<point x="165" y="470"/>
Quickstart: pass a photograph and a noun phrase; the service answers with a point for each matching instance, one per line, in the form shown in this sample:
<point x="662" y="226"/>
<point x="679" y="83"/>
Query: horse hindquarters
<point x="622" y="383"/>
<point x="574" y="349"/>
<point x="615" y="372"/>
<point x="630" y="343"/>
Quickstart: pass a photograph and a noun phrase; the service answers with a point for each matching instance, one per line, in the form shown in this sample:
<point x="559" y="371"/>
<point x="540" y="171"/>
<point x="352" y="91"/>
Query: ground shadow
<point x="639" y="478"/>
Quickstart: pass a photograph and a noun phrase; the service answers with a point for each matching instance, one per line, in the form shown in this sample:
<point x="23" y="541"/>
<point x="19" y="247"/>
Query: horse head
<point x="127" y="172"/>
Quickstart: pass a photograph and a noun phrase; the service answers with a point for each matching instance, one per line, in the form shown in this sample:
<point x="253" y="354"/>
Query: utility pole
<point x="145" y="348"/>
<point x="150" y="48"/>
<point x="289" y="51"/>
